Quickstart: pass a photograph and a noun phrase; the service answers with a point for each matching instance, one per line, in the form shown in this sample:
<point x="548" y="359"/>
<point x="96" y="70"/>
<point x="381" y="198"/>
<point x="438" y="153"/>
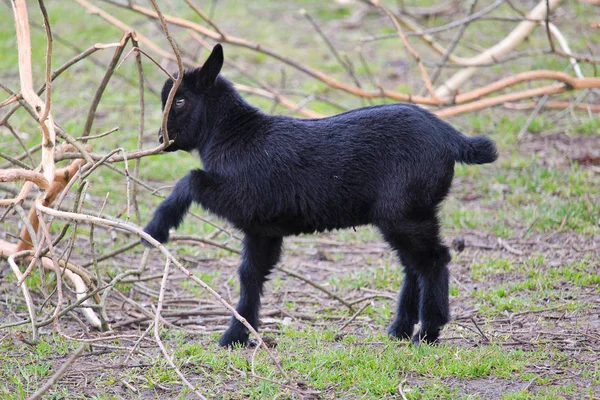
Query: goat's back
<point x="347" y="170"/>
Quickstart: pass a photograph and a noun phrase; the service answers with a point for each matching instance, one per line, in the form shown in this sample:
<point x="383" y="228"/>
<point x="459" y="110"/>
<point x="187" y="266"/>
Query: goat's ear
<point x="211" y="68"/>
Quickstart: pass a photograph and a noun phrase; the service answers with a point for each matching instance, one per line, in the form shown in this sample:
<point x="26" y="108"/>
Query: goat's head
<point x="189" y="110"/>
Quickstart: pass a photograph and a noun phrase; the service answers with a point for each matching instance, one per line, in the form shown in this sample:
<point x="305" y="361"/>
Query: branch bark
<point x="29" y="94"/>
<point x="17" y="174"/>
<point x="522" y="31"/>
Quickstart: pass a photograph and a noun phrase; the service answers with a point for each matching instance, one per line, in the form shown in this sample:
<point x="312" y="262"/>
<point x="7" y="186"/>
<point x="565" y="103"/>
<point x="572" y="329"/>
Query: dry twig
<point x="58" y="374"/>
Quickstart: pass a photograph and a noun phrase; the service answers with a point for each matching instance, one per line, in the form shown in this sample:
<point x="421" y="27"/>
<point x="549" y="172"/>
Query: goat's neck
<point x="236" y="124"/>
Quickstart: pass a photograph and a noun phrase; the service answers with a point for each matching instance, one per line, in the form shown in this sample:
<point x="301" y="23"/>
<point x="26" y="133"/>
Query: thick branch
<point x="494" y="101"/>
<point x="571" y="82"/>
<point x="511" y="41"/>
<point x="61" y="178"/>
<point x="30" y="96"/>
<point x="15" y="174"/>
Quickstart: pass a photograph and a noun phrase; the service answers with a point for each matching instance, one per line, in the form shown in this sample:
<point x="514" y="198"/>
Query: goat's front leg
<point x="259" y="256"/>
<point x="171" y="211"/>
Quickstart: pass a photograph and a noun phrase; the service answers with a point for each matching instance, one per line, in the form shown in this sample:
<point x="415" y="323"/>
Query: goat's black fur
<point x="274" y="176"/>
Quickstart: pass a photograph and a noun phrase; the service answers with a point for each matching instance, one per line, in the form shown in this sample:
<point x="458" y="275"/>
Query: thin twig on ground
<point x="316" y="285"/>
<point x="58" y="374"/>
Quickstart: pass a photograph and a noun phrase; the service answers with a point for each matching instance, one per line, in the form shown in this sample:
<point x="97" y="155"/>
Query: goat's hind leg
<point x="259" y="256"/>
<point x="424" y="295"/>
<point x="407" y="311"/>
<point x="434" y="309"/>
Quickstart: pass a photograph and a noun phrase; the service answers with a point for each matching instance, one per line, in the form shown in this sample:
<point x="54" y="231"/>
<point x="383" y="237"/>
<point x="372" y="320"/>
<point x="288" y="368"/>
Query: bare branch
<point x="30" y="96"/>
<point x="512" y="40"/>
<point x="176" y="83"/>
<point x="11" y="175"/>
<point x="98" y="95"/>
<point x="48" y="61"/>
<point x="7" y="247"/>
<point x="157" y="321"/>
<point x="410" y="49"/>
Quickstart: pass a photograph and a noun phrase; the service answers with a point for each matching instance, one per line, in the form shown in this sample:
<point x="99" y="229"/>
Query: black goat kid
<point x="275" y="176"/>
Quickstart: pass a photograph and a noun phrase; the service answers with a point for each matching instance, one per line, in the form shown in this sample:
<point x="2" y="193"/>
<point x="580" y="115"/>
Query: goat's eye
<point x="179" y="103"/>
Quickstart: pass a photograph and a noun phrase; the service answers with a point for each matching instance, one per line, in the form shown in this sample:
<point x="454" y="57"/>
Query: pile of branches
<point x="35" y="246"/>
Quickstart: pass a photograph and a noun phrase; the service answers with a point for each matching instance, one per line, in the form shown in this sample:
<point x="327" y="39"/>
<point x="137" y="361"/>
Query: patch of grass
<point x="538" y="197"/>
<point x="197" y="290"/>
<point x="373" y="366"/>
<point x="24" y="369"/>
<point x="328" y="13"/>
<point x="581" y="273"/>
<point x="532" y="284"/>
<point x="540" y="124"/>
<point x="553" y="392"/>
<point x="480" y="271"/>
<point x="385" y="277"/>
<point x="363" y="233"/>
<point x="589" y="126"/>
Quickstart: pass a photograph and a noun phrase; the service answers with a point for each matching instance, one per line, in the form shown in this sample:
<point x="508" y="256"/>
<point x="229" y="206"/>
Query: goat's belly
<point x="288" y="225"/>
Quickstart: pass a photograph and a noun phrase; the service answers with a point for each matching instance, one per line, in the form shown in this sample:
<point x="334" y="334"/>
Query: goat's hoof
<point x="269" y="341"/>
<point x="399" y="332"/>
<point x="425" y="338"/>
<point x="234" y="338"/>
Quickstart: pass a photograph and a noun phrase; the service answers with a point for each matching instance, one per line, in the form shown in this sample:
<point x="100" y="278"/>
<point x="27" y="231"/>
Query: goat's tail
<point x="476" y="150"/>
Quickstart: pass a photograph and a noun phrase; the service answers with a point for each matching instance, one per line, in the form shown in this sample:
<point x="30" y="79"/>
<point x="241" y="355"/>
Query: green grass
<point x="532" y="284"/>
<point x="371" y="366"/>
<point x="379" y="278"/>
<point x="23" y="370"/>
<point x="586" y="127"/>
<point x="539" y="197"/>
